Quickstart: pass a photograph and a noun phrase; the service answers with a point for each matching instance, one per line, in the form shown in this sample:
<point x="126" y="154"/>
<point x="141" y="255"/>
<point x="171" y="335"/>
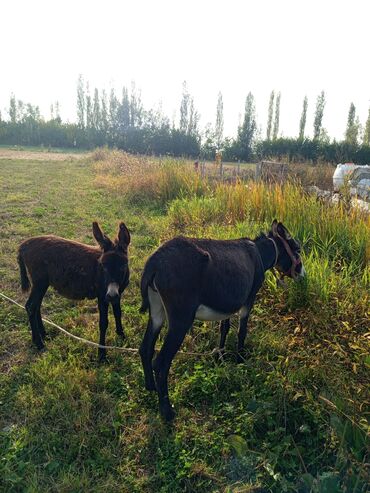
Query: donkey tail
<point x="25" y="282"/>
<point x="146" y="281"/>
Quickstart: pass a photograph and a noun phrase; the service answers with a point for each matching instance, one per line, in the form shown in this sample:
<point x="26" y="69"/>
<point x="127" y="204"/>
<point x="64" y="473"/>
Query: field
<point x="292" y="418"/>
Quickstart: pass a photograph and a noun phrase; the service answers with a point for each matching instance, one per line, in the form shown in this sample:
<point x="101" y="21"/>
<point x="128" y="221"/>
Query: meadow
<point x="292" y="418"/>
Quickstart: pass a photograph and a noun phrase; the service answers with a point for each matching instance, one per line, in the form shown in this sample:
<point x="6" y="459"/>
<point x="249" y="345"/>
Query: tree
<point x="247" y="130"/>
<point x="302" y="121"/>
<point x="89" y="108"/>
<point x="277" y="117"/>
<point x="319" y="113"/>
<point x="123" y="112"/>
<point x="136" y="107"/>
<point x="13" y="110"/>
<point x="113" y="112"/>
<point x="57" y="111"/>
<point x="219" y="129"/>
<point x="81" y="102"/>
<point x="353" y="125"/>
<point x="184" y="108"/>
<point x="104" y="112"/>
<point x="366" y="139"/>
<point x="96" y="116"/>
<point x="193" y="120"/>
<point x="270" y="114"/>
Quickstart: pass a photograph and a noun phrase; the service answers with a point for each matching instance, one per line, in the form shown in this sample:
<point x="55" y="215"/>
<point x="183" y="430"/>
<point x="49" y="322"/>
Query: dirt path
<point x="41" y="155"/>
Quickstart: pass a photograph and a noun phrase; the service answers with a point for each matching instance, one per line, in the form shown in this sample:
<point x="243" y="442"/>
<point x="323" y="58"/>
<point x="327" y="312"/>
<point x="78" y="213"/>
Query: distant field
<point x="293" y="418"/>
<point x="39" y="154"/>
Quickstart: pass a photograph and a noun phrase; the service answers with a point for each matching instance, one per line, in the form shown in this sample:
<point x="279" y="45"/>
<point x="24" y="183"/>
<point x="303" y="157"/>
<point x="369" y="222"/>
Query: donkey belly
<point x="206" y="313"/>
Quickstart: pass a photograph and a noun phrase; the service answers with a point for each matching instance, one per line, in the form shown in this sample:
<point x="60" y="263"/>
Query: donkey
<point x="76" y="271"/>
<point x="204" y="279"/>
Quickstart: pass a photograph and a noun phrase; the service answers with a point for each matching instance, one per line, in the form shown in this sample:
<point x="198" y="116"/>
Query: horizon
<point x="164" y="51"/>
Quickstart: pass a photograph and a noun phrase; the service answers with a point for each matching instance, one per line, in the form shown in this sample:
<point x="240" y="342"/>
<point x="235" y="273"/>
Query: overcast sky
<point x="296" y="47"/>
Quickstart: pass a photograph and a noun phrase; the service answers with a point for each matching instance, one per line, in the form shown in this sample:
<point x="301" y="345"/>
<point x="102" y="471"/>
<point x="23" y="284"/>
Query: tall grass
<point x="145" y="181"/>
<point x="335" y="232"/>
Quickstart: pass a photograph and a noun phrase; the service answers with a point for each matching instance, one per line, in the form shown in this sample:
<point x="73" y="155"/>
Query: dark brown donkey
<point x="76" y="271"/>
<point x="191" y="278"/>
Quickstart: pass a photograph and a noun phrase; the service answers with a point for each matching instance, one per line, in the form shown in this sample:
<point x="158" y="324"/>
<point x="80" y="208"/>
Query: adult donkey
<point x="189" y="278"/>
<point x="76" y="271"/>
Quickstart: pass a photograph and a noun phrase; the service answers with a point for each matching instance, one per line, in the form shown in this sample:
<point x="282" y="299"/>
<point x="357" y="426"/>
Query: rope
<point x="100" y="346"/>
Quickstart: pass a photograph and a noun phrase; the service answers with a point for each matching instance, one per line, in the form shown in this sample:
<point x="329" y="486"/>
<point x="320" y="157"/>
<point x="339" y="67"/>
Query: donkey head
<point x="113" y="273"/>
<point x="288" y="260"/>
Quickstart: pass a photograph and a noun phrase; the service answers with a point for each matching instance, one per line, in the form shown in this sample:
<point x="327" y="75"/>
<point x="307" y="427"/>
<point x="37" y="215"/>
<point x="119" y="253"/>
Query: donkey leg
<point x="243" y="328"/>
<point x="38" y="312"/>
<point x="224" y="330"/>
<point x="174" y="338"/>
<point x="146" y="352"/>
<point x="32" y="307"/>
<point x="155" y="323"/>
<point x="118" y="318"/>
<point x="103" y="325"/>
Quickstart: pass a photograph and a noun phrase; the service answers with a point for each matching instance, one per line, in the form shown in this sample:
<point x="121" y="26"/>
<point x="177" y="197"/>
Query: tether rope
<point x="100" y="346"/>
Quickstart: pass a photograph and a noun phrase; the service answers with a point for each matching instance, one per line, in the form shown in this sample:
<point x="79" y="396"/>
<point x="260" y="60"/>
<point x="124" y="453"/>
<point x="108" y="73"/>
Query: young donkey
<point x="76" y="271"/>
<point x="188" y="278"/>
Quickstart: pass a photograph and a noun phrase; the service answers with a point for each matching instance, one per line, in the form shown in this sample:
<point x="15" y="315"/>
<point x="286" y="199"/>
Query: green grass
<point x="292" y="418"/>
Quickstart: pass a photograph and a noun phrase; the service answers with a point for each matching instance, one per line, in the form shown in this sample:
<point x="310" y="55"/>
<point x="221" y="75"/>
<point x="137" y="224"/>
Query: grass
<point x="292" y="418"/>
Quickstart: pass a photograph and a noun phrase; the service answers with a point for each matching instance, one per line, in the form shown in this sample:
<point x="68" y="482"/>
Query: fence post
<point x="203" y="169"/>
<point x="258" y="171"/>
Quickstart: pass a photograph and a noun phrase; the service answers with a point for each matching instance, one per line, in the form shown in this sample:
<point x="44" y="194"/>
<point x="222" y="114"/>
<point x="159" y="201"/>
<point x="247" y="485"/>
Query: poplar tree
<point x="366" y="139"/>
<point x="89" y="108"/>
<point x="96" y="116"/>
<point x="81" y="104"/>
<point x="270" y="115"/>
<point x="219" y="129"/>
<point x="319" y="113"/>
<point x="302" y="121"/>
<point x="247" y="130"/>
<point x="136" y="107"/>
<point x="13" y="110"/>
<point x="193" y="120"/>
<point x="104" y="112"/>
<point x="277" y="116"/>
<point x="124" y="110"/>
<point x="184" y="109"/>
<point x="113" y="111"/>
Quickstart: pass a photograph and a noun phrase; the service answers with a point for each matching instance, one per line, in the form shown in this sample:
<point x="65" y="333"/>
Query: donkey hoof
<point x="241" y="358"/>
<point x="121" y="334"/>
<point x="219" y="355"/>
<point x="168" y="413"/>
<point x="39" y="345"/>
<point x="103" y="360"/>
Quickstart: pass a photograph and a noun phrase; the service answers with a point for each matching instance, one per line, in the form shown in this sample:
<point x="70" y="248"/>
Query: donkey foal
<point x="76" y="271"/>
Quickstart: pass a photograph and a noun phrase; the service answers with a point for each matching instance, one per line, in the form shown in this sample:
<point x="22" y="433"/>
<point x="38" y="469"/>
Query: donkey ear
<point x="274" y="228"/>
<point x="103" y="240"/>
<point x="123" y="236"/>
<point x="282" y="231"/>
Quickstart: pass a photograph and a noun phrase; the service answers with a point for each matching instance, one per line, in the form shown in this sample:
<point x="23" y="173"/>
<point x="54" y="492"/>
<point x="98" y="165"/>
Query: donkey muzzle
<point x="112" y="295"/>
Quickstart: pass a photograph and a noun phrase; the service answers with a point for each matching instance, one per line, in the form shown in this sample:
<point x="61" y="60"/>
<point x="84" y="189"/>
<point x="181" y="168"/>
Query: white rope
<point x="100" y="346"/>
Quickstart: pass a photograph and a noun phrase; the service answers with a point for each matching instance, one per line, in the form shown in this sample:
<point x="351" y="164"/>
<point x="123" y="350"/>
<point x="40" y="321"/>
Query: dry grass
<point x="146" y="180"/>
<point x="306" y="174"/>
<point x="34" y="155"/>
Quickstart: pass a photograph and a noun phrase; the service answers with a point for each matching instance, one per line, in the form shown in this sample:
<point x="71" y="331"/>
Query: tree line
<point x="122" y="121"/>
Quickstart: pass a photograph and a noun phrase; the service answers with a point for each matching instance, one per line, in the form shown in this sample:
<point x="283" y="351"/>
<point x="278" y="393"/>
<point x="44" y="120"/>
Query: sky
<point x="296" y="47"/>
